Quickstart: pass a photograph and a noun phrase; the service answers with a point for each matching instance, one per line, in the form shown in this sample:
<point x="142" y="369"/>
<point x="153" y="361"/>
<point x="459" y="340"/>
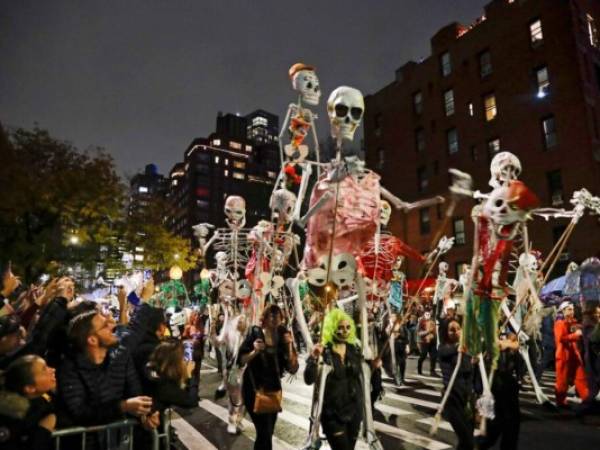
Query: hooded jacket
<point x="19" y="417"/>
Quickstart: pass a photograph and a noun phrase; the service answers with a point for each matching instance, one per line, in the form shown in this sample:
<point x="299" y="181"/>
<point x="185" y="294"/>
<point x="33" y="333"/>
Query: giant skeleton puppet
<point x="343" y="217"/>
<point x="298" y="123"/>
<point x="499" y="221"/>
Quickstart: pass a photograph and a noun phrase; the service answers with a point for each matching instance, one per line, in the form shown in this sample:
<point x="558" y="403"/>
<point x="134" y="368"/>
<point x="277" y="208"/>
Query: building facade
<point x="524" y="78"/>
<point x="240" y="158"/>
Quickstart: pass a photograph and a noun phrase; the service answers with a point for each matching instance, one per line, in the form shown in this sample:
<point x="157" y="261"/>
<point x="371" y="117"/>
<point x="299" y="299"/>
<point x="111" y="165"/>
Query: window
<point x="216" y="142"/>
<point x="489" y="105"/>
<point x="235" y="145"/>
<point x="449" y="102"/>
<point x="420" y="139"/>
<point x="142" y="189"/>
<point x="543" y="82"/>
<point x="485" y="64"/>
<point x="378" y="124"/>
<point x="535" y="33"/>
<point x="226" y="172"/>
<point x="217" y="160"/>
<point x="446" y="64"/>
<point x="549" y="130"/>
<point x="259" y="121"/>
<point x="470" y="109"/>
<point x="238" y="175"/>
<point x="248" y="148"/>
<point x="380" y="158"/>
<point x="239" y="164"/>
<point x="452" y="138"/>
<point x="418" y="102"/>
<point x="555" y="187"/>
<point x="424" y="221"/>
<point x="422" y="180"/>
<point x="459" y="232"/>
<point x="592" y="31"/>
<point x="271" y="174"/>
<point x="493" y="147"/>
<point x="226" y="162"/>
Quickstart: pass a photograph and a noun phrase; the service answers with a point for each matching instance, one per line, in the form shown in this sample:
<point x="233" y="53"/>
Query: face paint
<point x="342" y="332"/>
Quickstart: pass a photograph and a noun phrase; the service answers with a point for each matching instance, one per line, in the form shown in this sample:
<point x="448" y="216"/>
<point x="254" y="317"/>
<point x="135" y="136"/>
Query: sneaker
<point x="231" y="428"/>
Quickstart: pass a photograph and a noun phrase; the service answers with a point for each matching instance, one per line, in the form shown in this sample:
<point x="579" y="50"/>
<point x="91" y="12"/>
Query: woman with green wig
<point x="342" y="402"/>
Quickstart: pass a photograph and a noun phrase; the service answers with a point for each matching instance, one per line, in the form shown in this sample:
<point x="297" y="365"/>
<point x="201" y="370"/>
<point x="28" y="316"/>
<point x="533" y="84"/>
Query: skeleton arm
<point x="314" y="208"/>
<point x="399" y="204"/>
<point x="206" y="246"/>
<point x="307" y="171"/>
<point x="292" y="108"/>
<point x="316" y="142"/>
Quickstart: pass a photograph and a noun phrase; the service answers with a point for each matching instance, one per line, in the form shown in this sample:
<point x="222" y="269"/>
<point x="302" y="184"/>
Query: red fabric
<point x="522" y="196"/>
<point x="569" y="364"/>
<point x="380" y="266"/>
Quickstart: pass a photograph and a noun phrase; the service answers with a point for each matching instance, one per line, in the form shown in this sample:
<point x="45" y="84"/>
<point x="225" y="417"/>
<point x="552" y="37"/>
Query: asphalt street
<point x="402" y="420"/>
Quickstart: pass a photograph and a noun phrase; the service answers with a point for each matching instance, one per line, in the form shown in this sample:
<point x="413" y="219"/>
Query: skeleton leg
<point x="364" y="326"/>
<point x="485" y="403"/>
<point x="307" y="171"/>
<point x="293" y="286"/>
<point x="368" y="424"/>
<point x="313" y="441"/>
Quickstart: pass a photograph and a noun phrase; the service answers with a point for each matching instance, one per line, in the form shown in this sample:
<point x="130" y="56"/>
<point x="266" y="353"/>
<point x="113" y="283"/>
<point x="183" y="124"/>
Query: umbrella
<point x="554" y="286"/>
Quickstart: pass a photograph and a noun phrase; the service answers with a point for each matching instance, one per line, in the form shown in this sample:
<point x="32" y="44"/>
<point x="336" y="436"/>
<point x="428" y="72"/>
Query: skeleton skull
<point x="385" y="212"/>
<point x="282" y="205"/>
<point x="503" y="216"/>
<point x="528" y="262"/>
<point x="345" y="108"/>
<point x="235" y="211"/>
<point x="222" y="259"/>
<point x="306" y="83"/>
<point x="504" y="168"/>
<point x="443" y="268"/>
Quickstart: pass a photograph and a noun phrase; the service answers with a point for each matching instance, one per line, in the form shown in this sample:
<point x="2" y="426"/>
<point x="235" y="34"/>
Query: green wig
<point x="330" y="324"/>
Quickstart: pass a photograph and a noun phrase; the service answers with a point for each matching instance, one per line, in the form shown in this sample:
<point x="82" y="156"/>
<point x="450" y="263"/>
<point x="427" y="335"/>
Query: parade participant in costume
<point x="341" y="414"/>
<point x="591" y="357"/>
<point x="507" y="421"/>
<point x="401" y="340"/>
<point x="428" y="343"/>
<point x="268" y="352"/>
<point x="569" y="363"/>
<point x="458" y="409"/>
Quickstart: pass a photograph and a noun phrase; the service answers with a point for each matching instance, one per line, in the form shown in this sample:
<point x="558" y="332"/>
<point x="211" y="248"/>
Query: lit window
<point x="549" y="130"/>
<point x="238" y="175"/>
<point x="592" y="31"/>
<point x="452" y="139"/>
<point x="459" y="232"/>
<point x="259" y="121"/>
<point x="226" y="172"/>
<point x="485" y="64"/>
<point x="248" y="148"/>
<point x="470" y="109"/>
<point x="424" y="221"/>
<point x="142" y="189"/>
<point x="446" y="64"/>
<point x="420" y="139"/>
<point x="422" y="179"/>
<point x="271" y="174"/>
<point x="543" y="82"/>
<point x="235" y="145"/>
<point x="489" y="104"/>
<point x="174" y="182"/>
<point x="418" y="102"/>
<point x="449" y="102"/>
<point x="239" y="164"/>
<point x="555" y="187"/>
<point x="226" y="161"/>
<point x="493" y="146"/>
<point x="216" y="142"/>
<point x="217" y="159"/>
<point x="535" y="32"/>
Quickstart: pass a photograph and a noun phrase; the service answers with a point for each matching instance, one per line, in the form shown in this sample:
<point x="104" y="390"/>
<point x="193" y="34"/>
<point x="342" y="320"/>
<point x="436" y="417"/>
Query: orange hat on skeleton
<point x="298" y="67"/>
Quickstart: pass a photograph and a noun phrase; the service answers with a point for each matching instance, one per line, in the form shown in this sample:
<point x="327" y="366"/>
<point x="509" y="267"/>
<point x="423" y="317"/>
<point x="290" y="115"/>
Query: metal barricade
<point x="129" y="424"/>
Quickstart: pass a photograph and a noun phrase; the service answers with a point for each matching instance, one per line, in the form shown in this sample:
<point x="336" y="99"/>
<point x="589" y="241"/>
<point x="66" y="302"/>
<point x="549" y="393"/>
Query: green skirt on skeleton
<point x="479" y="327"/>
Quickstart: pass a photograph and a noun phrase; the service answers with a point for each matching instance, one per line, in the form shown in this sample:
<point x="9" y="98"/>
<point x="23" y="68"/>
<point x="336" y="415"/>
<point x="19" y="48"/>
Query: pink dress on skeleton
<point x="356" y="217"/>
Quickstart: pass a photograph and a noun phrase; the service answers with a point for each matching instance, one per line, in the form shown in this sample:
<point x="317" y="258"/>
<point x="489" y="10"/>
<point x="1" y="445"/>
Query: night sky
<point x="143" y="78"/>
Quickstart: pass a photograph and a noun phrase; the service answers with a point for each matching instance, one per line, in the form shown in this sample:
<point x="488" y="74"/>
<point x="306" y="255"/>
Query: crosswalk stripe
<point x="444" y="425"/>
<point x="412" y="438"/>
<point x="187" y="434"/>
<point x="411" y="400"/>
<point x="221" y="413"/>
<point x="429" y="392"/>
<point x="393" y="386"/>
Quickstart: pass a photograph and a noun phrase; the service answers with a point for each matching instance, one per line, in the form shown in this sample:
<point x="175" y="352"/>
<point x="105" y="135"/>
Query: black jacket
<point x="166" y="393"/>
<point x="448" y="357"/>
<point x="90" y="394"/>
<point x="343" y="396"/>
<point x="19" y="418"/>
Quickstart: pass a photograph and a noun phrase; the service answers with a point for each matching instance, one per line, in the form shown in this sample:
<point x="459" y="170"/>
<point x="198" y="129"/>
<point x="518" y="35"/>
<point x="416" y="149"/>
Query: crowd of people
<point x="70" y="362"/>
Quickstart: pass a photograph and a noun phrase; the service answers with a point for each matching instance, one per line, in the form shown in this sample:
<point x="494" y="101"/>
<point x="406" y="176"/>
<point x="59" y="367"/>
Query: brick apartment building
<point x="524" y="78"/>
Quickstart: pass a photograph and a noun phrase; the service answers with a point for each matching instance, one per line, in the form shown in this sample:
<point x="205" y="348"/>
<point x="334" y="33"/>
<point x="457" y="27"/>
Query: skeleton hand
<point x="462" y="183"/>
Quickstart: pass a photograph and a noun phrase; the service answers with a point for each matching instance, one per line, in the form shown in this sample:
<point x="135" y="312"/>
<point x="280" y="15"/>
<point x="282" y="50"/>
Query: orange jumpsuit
<point x="569" y="364"/>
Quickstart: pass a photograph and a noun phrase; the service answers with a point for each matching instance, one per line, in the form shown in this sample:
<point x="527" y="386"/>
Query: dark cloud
<point x="142" y="78"/>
